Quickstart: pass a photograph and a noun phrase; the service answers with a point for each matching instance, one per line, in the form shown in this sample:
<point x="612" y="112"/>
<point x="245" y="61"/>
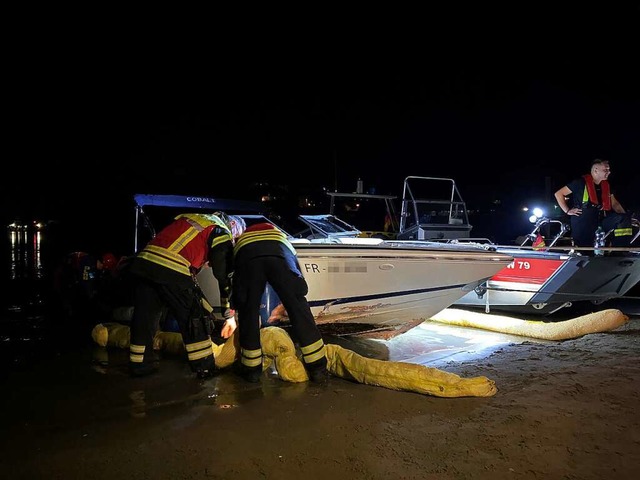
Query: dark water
<point x="32" y="325"/>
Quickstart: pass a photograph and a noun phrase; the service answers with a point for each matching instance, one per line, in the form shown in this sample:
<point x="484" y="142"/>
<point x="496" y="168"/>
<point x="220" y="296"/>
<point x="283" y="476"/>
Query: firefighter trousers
<point x="249" y="282"/>
<point x="183" y="301"/>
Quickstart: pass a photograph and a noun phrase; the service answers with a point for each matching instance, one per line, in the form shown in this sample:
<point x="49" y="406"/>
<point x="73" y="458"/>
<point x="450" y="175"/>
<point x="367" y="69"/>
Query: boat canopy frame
<point x="433" y="218"/>
<point x="189" y="203"/>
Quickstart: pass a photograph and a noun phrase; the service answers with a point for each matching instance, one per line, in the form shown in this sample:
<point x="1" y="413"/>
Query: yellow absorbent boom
<point x="280" y="352"/>
<point x="595" y="322"/>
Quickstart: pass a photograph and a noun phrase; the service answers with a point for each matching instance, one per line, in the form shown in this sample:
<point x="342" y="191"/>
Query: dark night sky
<point x="497" y="104"/>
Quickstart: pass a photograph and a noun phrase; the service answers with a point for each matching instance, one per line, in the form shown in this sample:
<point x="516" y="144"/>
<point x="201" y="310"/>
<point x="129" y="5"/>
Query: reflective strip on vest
<point x="196" y="221"/>
<point x="162" y="256"/>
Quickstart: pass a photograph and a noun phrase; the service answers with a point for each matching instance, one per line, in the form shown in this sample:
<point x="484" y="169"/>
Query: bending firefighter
<point x="164" y="275"/>
<point x="263" y="254"/>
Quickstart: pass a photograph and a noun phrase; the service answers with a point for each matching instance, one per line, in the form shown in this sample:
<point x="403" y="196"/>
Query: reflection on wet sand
<point x="429" y="344"/>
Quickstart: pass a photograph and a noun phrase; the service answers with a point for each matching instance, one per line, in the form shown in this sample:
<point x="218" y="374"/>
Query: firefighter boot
<point x="250" y="374"/>
<point x="319" y="376"/>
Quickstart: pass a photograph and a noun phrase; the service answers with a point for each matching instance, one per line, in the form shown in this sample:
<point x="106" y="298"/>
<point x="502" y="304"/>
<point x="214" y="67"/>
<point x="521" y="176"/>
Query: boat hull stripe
<point x="379" y="296"/>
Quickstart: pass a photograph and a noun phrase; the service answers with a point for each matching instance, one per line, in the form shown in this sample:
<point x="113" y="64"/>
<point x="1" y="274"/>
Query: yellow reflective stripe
<point x="136" y="358"/>
<point x="249" y="237"/>
<point x="251" y="358"/>
<point x="221" y="239"/>
<point x="180" y="242"/>
<point x="251" y="353"/>
<point x="622" y="232"/>
<point x="313" y="352"/>
<point x="195" y="224"/>
<point x="312" y="348"/>
<point x="190" y="347"/>
<point x="199" y="221"/>
<point x="585" y="194"/>
<point x="162" y="256"/>
<point x="165" y="263"/>
<point x="198" y="350"/>
<point x="136" y="353"/>
<point x="199" y="355"/>
<point x="314" y="357"/>
<point x="251" y="363"/>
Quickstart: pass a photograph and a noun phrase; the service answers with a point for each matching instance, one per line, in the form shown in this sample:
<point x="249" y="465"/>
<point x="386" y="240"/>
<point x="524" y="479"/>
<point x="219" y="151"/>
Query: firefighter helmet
<point x="109" y="261"/>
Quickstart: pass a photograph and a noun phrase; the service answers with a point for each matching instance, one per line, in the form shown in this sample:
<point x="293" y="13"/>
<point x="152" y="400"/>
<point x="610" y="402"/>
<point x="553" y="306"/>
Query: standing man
<point x="592" y="205"/>
<point x="164" y="275"/>
<point x="263" y="254"/>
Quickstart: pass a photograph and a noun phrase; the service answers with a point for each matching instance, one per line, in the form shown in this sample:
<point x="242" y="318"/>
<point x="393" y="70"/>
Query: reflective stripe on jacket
<point x="260" y="233"/>
<point x="182" y="245"/>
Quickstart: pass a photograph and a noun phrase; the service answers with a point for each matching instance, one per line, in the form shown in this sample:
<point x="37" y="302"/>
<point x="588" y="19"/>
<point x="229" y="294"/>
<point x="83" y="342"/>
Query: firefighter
<point x="593" y="204"/>
<point x="164" y="276"/>
<point x="264" y="255"/>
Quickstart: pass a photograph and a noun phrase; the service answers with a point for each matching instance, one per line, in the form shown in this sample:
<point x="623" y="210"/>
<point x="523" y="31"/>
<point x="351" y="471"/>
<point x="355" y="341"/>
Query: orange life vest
<point x="590" y="192"/>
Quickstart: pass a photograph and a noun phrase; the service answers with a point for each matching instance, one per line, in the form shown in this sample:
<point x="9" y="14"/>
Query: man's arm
<point x="221" y="263"/>
<point x="616" y="206"/>
<point x="562" y="202"/>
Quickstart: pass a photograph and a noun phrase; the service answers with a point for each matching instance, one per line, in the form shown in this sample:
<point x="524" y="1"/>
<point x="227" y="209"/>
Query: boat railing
<point x="474" y="240"/>
<point x="546" y="222"/>
<point x="432" y="200"/>
<point x="562" y="234"/>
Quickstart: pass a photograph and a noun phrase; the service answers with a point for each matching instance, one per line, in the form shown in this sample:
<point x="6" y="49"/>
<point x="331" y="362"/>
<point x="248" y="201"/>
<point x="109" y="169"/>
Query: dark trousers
<point x="620" y="223"/>
<point x="583" y="228"/>
<point x="249" y="282"/>
<point x="183" y="302"/>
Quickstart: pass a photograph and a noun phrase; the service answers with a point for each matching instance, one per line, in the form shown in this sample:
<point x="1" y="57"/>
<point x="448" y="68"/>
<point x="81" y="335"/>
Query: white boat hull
<point x="383" y="287"/>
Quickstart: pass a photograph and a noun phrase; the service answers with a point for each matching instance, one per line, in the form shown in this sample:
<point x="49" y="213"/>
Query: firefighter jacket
<point x="253" y="242"/>
<point x="185" y="245"/>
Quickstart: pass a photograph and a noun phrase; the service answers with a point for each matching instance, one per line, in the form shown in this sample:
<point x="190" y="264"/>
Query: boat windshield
<point x="326" y="226"/>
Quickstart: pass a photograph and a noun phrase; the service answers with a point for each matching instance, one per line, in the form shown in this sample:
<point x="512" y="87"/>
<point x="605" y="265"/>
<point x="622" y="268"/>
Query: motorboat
<point x="376" y="285"/>
<point x="548" y="273"/>
<point x="390" y="284"/>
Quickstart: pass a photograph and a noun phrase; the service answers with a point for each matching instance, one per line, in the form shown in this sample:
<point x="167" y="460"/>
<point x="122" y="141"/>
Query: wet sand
<point x="564" y="410"/>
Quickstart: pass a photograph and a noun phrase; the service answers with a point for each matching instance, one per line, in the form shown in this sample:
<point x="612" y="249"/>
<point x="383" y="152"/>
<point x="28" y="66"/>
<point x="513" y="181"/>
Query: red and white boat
<point x="543" y="278"/>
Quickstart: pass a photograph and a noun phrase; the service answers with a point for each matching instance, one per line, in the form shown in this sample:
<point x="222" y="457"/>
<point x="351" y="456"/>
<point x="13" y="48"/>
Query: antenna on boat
<point x="335" y="170"/>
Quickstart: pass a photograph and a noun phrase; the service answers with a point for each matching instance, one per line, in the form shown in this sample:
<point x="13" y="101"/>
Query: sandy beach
<point x="563" y="410"/>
